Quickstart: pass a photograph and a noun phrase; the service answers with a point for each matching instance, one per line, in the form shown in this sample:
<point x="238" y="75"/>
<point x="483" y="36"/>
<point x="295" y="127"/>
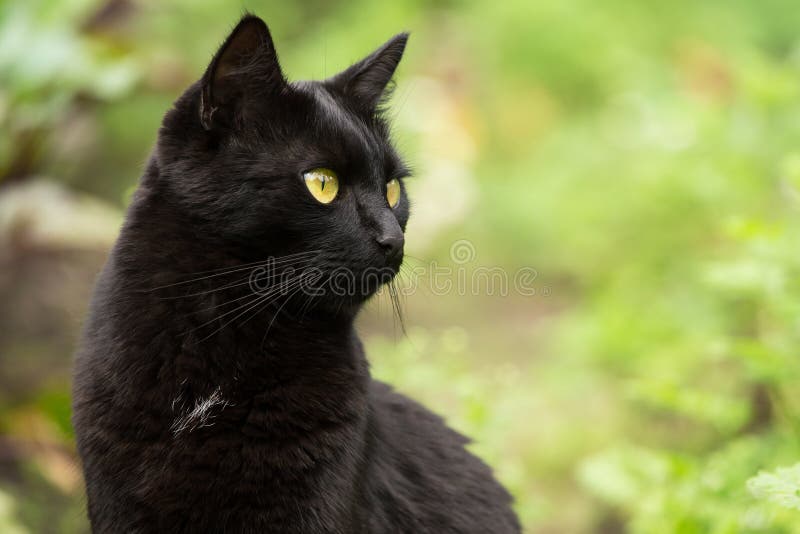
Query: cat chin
<point x="349" y="302"/>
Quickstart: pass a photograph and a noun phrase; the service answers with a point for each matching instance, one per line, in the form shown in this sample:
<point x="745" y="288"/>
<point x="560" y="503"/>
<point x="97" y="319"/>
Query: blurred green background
<point x="643" y="157"/>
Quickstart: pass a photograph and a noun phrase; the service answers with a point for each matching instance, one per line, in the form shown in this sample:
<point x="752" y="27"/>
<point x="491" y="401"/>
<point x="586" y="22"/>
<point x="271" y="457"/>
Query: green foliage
<point x="46" y="65"/>
<point x="781" y="487"/>
<point x="8" y="521"/>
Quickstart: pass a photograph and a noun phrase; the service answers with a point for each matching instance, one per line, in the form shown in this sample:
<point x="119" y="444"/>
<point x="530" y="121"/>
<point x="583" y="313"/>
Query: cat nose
<point x="391" y="241"/>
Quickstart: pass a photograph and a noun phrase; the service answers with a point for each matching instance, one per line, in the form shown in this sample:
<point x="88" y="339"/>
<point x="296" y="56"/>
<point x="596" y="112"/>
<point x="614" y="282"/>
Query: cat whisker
<point x="281" y="260"/>
<point x="257" y="298"/>
<point x="296" y="284"/>
<point x="306" y="307"/>
<point x="228" y="301"/>
<point x="310" y="300"/>
<point x="248" y="306"/>
<point x="288" y="297"/>
<point x="240" y="282"/>
<point x="257" y="262"/>
<point x="413" y="258"/>
<point x="237" y="283"/>
<point x="412" y="279"/>
<point x="396" y="305"/>
<point x="220" y="304"/>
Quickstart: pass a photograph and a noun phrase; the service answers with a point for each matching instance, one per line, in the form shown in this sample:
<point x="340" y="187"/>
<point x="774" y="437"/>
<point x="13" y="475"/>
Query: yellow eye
<point x="393" y="192"/>
<point x="322" y="183"/>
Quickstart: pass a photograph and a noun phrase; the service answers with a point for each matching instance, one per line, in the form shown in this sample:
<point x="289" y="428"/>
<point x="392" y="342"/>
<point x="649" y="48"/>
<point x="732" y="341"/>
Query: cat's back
<point x="423" y="477"/>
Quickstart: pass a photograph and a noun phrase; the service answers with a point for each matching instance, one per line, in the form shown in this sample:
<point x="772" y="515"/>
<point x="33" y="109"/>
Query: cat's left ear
<point x="365" y="82"/>
<point x="246" y="65"/>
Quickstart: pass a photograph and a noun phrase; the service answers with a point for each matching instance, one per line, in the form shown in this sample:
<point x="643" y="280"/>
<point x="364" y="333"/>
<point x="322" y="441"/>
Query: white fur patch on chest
<point x="201" y="415"/>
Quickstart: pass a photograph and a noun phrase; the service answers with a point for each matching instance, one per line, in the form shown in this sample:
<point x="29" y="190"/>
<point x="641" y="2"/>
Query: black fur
<point x="190" y="418"/>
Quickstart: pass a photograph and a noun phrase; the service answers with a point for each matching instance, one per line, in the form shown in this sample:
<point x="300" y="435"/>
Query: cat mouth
<point x="365" y="283"/>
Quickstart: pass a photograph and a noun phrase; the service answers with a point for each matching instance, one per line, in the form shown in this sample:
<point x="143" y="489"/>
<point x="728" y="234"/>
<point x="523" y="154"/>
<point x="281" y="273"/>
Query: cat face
<point x="268" y="168"/>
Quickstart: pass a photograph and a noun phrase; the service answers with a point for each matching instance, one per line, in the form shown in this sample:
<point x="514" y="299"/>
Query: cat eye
<point x="323" y="184"/>
<point x="393" y="192"/>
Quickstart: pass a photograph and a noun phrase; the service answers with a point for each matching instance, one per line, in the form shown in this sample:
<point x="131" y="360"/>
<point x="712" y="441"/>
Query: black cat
<point x="221" y="386"/>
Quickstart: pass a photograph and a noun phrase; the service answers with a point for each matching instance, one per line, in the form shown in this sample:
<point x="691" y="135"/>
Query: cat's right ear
<point x="246" y="65"/>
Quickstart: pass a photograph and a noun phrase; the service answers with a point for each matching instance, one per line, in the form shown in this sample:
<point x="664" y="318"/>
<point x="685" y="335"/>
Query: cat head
<point x="271" y="168"/>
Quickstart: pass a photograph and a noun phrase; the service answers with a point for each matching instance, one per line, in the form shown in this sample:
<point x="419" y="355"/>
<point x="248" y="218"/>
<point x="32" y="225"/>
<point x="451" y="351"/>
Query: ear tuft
<point x="246" y="60"/>
<point x="366" y="82"/>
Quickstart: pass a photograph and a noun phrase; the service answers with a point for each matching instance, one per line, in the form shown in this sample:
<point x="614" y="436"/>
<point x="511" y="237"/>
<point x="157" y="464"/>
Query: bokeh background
<point x="643" y="157"/>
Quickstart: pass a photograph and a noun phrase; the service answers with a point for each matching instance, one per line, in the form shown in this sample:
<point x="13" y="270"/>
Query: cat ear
<point x="365" y="82"/>
<point x="245" y="63"/>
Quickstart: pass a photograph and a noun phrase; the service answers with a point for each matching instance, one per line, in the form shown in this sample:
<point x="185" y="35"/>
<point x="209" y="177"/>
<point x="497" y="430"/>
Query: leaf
<point x="781" y="487"/>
